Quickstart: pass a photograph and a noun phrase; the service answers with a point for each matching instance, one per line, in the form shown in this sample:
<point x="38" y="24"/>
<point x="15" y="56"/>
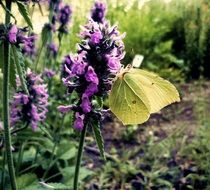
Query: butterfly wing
<point x="158" y="91"/>
<point x="126" y="102"/>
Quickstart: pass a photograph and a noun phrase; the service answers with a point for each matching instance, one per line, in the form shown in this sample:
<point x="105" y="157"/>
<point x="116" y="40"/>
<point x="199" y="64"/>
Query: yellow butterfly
<point x="137" y="93"/>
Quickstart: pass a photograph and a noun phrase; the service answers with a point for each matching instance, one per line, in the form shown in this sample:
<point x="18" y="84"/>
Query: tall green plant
<point x="6" y="121"/>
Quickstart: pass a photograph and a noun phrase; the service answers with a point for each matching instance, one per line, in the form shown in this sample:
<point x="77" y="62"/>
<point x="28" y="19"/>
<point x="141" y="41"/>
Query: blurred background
<point x="170" y="151"/>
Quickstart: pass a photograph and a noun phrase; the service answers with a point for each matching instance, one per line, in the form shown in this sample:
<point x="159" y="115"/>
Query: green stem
<point x="28" y="168"/>
<point x="8" y="11"/>
<point x="20" y="156"/>
<point x="51" y="177"/>
<point x="7" y="135"/>
<point x="3" y="170"/>
<point x="79" y="157"/>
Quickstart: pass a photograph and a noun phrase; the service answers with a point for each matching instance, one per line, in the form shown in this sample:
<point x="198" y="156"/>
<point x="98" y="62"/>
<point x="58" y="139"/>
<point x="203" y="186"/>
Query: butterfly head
<point x="123" y="71"/>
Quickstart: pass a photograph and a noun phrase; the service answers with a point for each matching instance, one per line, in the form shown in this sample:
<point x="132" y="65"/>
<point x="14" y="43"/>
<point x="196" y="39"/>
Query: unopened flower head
<point x="64" y="15"/>
<point x="30" y="109"/>
<point x="61" y="16"/>
<point x="98" y="12"/>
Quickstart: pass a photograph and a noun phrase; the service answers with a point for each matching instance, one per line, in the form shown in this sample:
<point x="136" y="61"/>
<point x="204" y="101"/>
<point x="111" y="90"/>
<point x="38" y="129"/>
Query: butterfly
<point x="137" y="93"/>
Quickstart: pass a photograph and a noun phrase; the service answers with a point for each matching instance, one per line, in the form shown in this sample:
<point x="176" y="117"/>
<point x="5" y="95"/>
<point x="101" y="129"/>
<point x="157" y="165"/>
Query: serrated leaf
<point x="19" y="62"/>
<point x="12" y="73"/>
<point x="46" y="34"/>
<point x="1" y="56"/>
<point x="12" y="66"/>
<point x="26" y="180"/>
<point x="34" y="187"/>
<point x="57" y="186"/>
<point x="24" y="12"/>
<point x="99" y="138"/>
<point x="45" y="186"/>
<point x="99" y="101"/>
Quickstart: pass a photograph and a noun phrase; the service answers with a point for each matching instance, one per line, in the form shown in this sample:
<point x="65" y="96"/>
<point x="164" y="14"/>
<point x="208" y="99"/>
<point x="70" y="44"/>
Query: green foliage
<point x="98" y="137"/>
<point x="44" y="186"/>
<point x="24" y="12"/>
<point x="13" y="73"/>
<point x="45" y="36"/>
<point x="24" y="181"/>
<point x="190" y="34"/>
<point x="18" y="60"/>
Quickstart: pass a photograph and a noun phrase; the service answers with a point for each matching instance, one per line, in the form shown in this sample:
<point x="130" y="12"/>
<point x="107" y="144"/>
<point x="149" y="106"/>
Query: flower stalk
<point x="7" y="135"/>
<point x="79" y="157"/>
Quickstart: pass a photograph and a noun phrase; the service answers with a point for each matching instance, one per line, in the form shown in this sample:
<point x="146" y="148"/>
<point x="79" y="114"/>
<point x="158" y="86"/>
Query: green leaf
<point x="46" y="132"/>
<point x="98" y="138"/>
<point x="12" y="73"/>
<point x="12" y="66"/>
<point x="68" y="174"/>
<point x="66" y="151"/>
<point x="19" y="62"/>
<point x="26" y="180"/>
<point x="1" y="56"/>
<point x="99" y="102"/>
<point x="46" y="34"/>
<point x="24" y="12"/>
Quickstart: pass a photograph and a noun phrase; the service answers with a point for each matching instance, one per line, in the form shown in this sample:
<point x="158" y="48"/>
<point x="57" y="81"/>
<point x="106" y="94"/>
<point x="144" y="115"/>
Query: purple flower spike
<point x="79" y="121"/>
<point x="98" y="12"/>
<point x="17" y="37"/>
<point x="91" y="72"/>
<point x="12" y="34"/>
<point x="30" y="108"/>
